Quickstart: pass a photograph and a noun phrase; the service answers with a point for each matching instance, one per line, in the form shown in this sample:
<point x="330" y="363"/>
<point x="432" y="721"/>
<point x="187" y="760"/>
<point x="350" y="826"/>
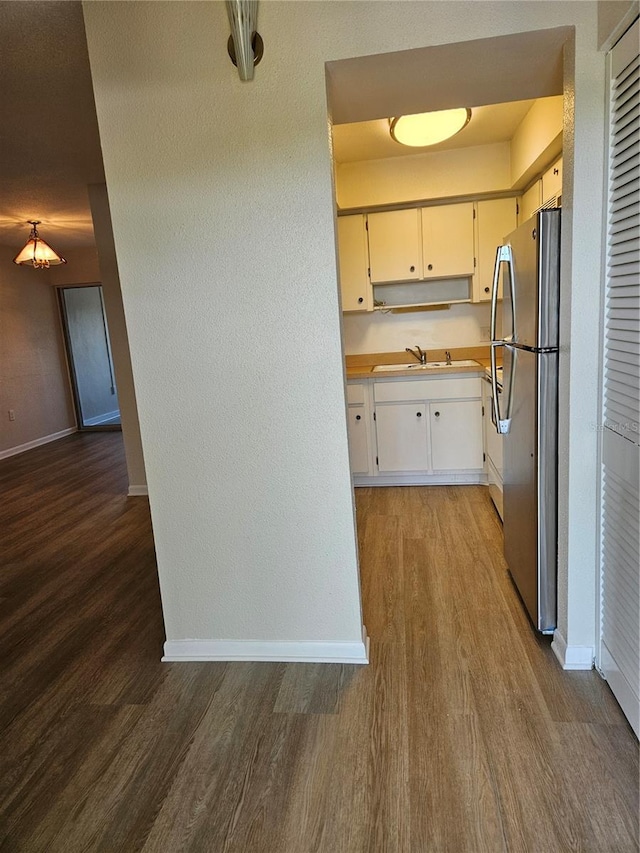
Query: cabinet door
<point x="401" y="429"/>
<point x="456" y="435"/>
<point x="353" y="264"/>
<point x="394" y="245"/>
<point x="358" y="440"/>
<point x="496" y="219"/>
<point x="530" y="201"/>
<point x="552" y="181"/>
<point x="447" y="240"/>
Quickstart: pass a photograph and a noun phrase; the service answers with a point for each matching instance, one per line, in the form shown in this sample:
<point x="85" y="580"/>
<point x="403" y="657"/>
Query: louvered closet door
<point x="620" y="643"/>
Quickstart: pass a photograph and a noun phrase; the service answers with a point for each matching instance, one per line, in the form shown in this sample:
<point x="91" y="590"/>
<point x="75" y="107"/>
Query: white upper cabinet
<point x="353" y="263"/>
<point x="447" y="241"/>
<point x="394" y="245"/>
<point x="531" y="201"/>
<point x="552" y="182"/>
<point x="496" y="219"/>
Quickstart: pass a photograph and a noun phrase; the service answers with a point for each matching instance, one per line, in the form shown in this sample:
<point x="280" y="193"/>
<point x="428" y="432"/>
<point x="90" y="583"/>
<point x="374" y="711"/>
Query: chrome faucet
<point x="447" y="356"/>
<point x="420" y="354"/>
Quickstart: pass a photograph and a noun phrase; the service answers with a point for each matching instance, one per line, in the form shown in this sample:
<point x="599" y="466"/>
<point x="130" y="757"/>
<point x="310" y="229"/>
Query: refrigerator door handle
<point x="503" y="255"/>
<point x="503" y="425"/>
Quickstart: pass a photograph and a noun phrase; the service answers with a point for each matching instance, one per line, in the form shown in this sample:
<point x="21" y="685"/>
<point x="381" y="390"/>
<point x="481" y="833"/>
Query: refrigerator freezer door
<point x="530" y="481"/>
<point x="530" y="318"/>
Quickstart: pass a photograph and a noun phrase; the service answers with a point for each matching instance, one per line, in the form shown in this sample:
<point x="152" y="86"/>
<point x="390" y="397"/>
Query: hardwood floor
<point x="462" y="735"/>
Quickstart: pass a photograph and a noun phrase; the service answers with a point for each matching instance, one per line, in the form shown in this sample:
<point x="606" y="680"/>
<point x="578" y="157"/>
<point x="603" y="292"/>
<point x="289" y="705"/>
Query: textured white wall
<point x="222" y="215"/>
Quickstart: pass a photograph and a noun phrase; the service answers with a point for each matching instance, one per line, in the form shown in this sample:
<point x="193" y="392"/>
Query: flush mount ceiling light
<point x="36" y="252"/>
<point x="424" y="129"/>
<point x="245" y="46"/>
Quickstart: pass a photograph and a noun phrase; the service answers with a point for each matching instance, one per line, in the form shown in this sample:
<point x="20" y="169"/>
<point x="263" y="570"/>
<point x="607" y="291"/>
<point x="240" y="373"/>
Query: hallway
<point x="463" y="734"/>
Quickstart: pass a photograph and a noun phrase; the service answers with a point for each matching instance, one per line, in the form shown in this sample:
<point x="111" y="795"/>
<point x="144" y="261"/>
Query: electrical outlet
<point x="12" y="415"/>
<point x="485" y="333"/>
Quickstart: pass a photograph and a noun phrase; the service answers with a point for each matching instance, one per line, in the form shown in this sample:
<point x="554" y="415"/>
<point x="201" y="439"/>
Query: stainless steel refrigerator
<point x="528" y="267"/>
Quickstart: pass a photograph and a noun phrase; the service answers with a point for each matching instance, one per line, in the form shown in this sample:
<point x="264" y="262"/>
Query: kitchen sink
<point x="394" y="368"/>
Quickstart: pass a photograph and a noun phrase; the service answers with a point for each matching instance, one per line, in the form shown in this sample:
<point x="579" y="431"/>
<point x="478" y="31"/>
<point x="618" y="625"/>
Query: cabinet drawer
<point x="398" y="390"/>
<point x="355" y="394"/>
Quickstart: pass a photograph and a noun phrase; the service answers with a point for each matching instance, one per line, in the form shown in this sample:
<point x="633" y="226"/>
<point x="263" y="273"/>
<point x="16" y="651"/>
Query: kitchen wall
<point x="248" y="466"/>
<point x="439" y="174"/>
<point x="458" y="326"/>
<point x="537" y="140"/>
<point x="34" y="380"/>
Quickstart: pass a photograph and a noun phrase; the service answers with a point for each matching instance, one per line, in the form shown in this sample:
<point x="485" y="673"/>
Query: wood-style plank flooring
<point x="463" y="734"/>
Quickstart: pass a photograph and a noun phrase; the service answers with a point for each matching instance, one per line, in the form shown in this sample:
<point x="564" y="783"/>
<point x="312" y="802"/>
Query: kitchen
<point x="417" y="238"/>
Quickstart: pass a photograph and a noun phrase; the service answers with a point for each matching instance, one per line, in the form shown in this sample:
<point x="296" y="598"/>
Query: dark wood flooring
<point x="462" y="735"/>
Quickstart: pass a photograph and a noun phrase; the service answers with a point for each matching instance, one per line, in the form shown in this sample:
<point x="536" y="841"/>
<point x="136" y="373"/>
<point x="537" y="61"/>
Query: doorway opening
<point x="416" y="233"/>
<point x="86" y="336"/>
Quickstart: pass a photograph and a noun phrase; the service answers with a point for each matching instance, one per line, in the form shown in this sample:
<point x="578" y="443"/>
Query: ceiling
<point x="471" y="73"/>
<point x="371" y="140"/>
<point x="50" y="146"/>
<point x="49" y="142"/>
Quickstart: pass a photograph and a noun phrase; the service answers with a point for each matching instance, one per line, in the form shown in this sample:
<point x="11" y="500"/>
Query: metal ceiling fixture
<point x="36" y="252"/>
<point x="245" y="45"/>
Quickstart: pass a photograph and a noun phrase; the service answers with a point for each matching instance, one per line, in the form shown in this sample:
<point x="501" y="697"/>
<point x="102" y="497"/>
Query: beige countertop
<point x="361" y="366"/>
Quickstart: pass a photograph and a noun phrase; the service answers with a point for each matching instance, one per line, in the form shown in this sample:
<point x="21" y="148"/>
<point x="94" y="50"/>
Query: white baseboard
<point x="100" y="419"/>
<point x="255" y="650"/>
<point x="137" y="491"/>
<point x="37" y="442"/>
<point x="453" y="479"/>
<point x="572" y="657"/>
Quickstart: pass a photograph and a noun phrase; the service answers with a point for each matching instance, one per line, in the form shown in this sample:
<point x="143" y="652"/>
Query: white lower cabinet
<point x="401" y="430"/>
<point x="358" y="440"/>
<point x="456" y="435"/>
<point x="359" y="427"/>
<point x="416" y="431"/>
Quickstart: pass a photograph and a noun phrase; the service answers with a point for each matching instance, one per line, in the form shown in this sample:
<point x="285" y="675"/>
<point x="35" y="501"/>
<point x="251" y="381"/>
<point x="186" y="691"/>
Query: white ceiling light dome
<point x="423" y="129"/>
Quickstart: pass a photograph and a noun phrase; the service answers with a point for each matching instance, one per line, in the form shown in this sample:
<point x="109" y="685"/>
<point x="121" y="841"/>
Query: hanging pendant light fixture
<point x="36" y="252"/>
<point x="245" y="47"/>
<point x="423" y="129"/>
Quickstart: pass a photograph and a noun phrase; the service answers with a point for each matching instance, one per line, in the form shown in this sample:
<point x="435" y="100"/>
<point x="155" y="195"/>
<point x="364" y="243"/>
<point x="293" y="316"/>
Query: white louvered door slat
<point x="620" y="569"/>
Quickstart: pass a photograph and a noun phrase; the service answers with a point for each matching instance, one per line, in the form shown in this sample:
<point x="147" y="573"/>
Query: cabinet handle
<point x="486" y="290"/>
<point x="412" y="269"/>
<point x="437" y="414"/>
<point x="430" y="266"/>
<point x="555" y="171"/>
<point x="418" y="414"/>
<point x="358" y="417"/>
<point x="361" y="299"/>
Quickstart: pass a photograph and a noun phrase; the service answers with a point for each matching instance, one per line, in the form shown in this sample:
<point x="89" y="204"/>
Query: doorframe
<point x="70" y="360"/>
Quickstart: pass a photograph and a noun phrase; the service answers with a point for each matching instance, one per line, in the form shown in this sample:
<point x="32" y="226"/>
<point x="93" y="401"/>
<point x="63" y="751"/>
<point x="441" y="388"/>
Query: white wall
<point x="222" y="213"/>
<point x="440" y="174"/>
<point x="458" y="326"/>
<point x="537" y="140"/>
<point x="97" y="265"/>
<point x="119" y="338"/>
<point x="614" y="17"/>
<point x="34" y="381"/>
